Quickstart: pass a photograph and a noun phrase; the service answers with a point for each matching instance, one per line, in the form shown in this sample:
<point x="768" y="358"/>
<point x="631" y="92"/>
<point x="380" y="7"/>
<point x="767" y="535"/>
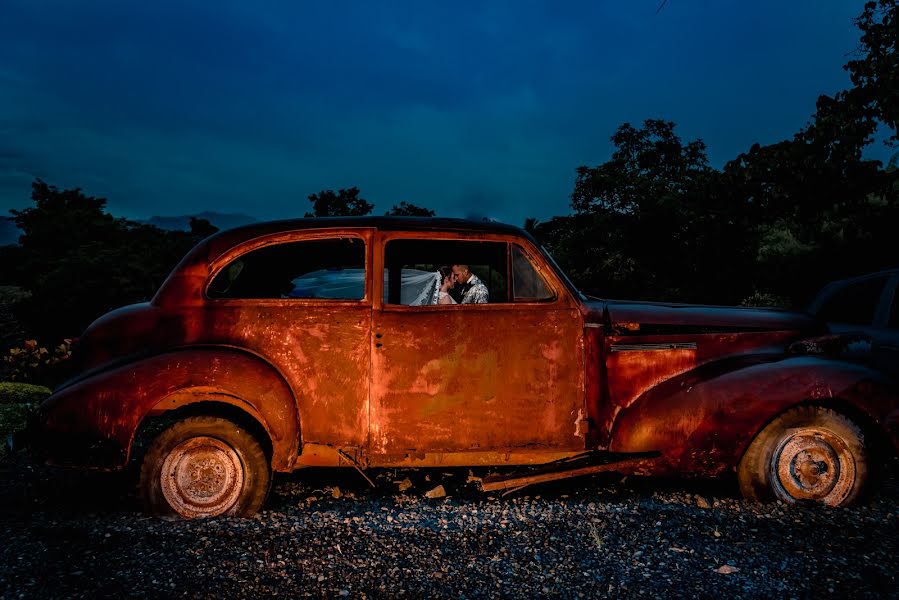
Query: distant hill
<point x="9" y="233"/>
<point x="182" y="222"/>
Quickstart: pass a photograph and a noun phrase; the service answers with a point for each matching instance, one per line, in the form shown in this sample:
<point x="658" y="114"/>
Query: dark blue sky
<point x="466" y="108"/>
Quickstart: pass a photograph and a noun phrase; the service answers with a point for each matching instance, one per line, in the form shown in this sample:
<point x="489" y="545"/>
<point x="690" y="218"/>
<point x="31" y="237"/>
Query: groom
<point x="473" y="289"/>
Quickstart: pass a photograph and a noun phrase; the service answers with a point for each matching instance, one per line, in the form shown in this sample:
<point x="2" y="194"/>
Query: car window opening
<point x="328" y="269"/>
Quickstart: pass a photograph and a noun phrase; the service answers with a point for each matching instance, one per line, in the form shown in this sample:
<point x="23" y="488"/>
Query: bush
<point x="31" y="362"/>
<point x="22" y="393"/>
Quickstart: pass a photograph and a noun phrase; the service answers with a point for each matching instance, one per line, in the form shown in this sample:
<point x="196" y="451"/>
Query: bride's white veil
<point x="419" y="288"/>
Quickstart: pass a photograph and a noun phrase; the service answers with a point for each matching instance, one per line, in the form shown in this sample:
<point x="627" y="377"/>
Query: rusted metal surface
<point x="202" y="476"/>
<point x="812" y="463"/>
<point x="702" y="421"/>
<point x="93" y="422"/>
<point x="627" y="465"/>
<point x="361" y="383"/>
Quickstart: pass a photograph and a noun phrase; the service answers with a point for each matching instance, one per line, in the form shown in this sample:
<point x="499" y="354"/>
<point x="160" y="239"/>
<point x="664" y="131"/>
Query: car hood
<point x="657" y="317"/>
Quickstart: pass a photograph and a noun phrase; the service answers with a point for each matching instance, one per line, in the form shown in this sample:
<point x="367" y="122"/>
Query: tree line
<point x="654" y="222"/>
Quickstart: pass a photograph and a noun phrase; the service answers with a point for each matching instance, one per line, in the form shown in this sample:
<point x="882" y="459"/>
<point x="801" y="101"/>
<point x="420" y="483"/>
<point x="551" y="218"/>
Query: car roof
<point x="226" y="239"/>
<point x="386" y="223"/>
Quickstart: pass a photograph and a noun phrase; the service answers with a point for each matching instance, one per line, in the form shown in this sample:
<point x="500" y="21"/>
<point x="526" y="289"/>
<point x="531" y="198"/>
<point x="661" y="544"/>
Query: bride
<point x="421" y="288"/>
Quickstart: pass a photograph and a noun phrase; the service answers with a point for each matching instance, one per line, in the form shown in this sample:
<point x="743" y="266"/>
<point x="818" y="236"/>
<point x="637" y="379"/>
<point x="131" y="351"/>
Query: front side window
<point x="326" y="269"/>
<point x="415" y="270"/>
<point x="527" y="284"/>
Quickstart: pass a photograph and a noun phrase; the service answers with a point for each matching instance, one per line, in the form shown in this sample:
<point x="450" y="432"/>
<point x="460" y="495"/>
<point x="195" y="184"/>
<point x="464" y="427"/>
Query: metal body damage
<point x="367" y="382"/>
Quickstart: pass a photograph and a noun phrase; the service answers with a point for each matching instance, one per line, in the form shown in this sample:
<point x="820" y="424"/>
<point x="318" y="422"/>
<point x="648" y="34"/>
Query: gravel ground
<point x="325" y="533"/>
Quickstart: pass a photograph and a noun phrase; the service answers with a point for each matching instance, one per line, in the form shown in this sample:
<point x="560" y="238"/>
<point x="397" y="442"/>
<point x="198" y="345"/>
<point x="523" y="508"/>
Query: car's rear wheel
<point x="807" y="453"/>
<point x="204" y="467"/>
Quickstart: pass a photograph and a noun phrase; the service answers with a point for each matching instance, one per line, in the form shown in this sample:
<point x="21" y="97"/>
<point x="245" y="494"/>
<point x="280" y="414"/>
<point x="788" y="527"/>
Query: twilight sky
<point x="471" y="108"/>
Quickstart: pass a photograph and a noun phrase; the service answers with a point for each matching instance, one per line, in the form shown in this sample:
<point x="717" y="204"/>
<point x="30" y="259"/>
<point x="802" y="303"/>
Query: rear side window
<point x="327" y="269"/>
<point x="855" y="304"/>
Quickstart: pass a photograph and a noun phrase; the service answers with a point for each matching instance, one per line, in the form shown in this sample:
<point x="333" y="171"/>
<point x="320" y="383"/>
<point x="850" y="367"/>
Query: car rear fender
<point x="93" y="422"/>
<point x="703" y="425"/>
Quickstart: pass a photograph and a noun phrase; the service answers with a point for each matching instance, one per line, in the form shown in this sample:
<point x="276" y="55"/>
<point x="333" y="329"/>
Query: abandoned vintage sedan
<point x="324" y="342"/>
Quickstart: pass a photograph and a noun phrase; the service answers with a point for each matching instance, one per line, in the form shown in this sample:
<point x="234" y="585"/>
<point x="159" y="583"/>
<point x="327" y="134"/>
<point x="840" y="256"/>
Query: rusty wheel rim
<point x="202" y="477"/>
<point x="813" y="464"/>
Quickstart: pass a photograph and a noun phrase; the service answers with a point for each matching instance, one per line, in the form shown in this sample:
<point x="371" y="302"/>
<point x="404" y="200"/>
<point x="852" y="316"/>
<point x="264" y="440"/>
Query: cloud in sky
<point x="167" y="108"/>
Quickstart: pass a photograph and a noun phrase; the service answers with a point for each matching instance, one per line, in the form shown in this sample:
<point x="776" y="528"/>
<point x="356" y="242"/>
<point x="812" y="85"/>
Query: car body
<point x="291" y="344"/>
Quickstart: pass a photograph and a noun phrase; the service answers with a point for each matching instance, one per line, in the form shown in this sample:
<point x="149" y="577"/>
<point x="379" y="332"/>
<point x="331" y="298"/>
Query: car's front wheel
<point x="204" y="467"/>
<point x="807" y="453"/>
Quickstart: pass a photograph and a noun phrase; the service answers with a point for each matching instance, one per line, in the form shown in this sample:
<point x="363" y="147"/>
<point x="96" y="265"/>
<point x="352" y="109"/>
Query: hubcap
<point x="202" y="477"/>
<point x="812" y="464"/>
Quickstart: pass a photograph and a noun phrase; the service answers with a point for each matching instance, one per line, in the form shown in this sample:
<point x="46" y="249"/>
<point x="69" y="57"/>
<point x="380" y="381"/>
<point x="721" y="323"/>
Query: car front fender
<point x="93" y="421"/>
<point x="703" y="425"/>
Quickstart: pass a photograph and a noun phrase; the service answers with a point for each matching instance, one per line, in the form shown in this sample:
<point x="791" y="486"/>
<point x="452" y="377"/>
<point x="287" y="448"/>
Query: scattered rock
<point x="335" y="492"/>
<point x="726" y="569"/>
<point x="702" y="502"/>
<point x="404" y="485"/>
<point x="437" y="492"/>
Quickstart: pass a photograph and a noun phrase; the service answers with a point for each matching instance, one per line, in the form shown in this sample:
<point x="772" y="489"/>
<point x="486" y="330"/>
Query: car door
<point x="302" y="302"/>
<point x="460" y="383"/>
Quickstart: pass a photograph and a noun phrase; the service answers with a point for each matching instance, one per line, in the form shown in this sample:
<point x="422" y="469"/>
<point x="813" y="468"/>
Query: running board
<point x="565" y="469"/>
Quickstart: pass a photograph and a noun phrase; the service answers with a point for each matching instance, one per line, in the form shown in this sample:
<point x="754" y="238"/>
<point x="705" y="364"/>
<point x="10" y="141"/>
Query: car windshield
<point x="561" y="273"/>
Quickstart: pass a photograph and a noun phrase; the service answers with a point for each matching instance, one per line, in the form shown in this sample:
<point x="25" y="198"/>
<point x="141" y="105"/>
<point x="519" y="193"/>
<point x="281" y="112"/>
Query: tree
<point x="77" y="261"/>
<point x="407" y="209"/>
<point x="643" y="220"/>
<point x="344" y="203"/>
<point x="875" y="74"/>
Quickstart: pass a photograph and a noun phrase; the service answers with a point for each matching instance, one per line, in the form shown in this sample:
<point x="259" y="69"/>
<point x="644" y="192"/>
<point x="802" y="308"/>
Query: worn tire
<point x="204" y="467"/>
<point x="807" y="453"/>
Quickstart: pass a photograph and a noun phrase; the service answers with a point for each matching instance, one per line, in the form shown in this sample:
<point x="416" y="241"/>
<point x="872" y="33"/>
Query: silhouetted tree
<point x="344" y="203"/>
<point x="875" y="74"/>
<point x="407" y="209"/>
<point x="77" y="261"/>
<point x="639" y="218"/>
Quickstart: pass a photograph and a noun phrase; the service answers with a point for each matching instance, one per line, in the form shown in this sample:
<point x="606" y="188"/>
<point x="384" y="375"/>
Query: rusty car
<point x="317" y="342"/>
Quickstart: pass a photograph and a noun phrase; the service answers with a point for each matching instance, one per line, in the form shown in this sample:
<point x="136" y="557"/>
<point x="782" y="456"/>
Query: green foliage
<point x="13" y="418"/>
<point x="765" y="300"/>
<point x="406" y="209"/>
<point x="344" y="203"/>
<point x="78" y="262"/>
<point x="22" y="393"/>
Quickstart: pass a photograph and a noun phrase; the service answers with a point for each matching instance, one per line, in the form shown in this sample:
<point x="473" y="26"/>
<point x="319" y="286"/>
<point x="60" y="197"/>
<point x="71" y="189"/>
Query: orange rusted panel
<point x="107" y="408"/>
<point x="486" y="378"/>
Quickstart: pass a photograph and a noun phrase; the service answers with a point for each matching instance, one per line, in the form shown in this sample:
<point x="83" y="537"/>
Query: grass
<point x="16" y="400"/>
<point x="12" y="419"/>
<point x="21" y="393"/>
